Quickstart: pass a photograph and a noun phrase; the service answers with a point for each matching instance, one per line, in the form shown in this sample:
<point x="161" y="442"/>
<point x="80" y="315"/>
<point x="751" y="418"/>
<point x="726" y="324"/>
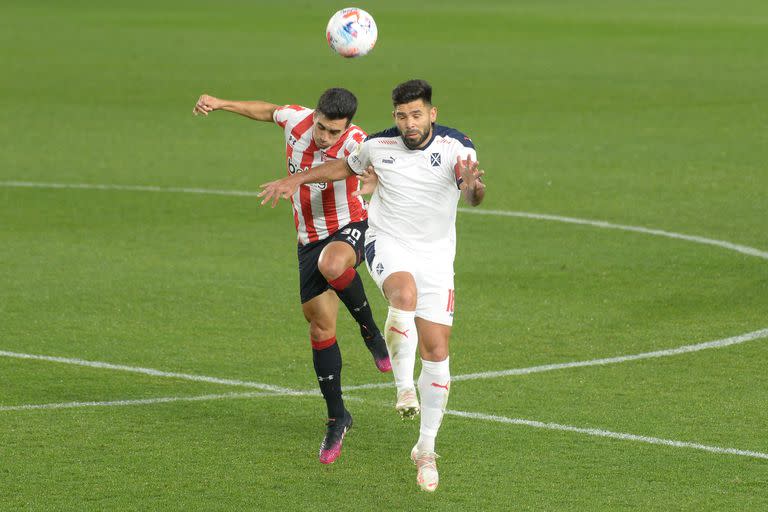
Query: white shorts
<point x="432" y="271"/>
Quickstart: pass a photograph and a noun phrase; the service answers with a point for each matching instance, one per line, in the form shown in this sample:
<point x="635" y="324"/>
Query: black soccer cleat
<point x="378" y="349"/>
<point x="330" y="449"/>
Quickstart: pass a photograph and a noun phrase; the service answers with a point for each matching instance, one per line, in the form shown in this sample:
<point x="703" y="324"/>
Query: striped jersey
<point x="416" y="197"/>
<point x="319" y="209"/>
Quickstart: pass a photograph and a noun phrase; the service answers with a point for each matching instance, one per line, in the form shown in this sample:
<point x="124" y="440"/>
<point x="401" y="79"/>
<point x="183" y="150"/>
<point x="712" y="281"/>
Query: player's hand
<point x="471" y="174"/>
<point x="274" y="190"/>
<point x="206" y="104"/>
<point x="368" y="181"/>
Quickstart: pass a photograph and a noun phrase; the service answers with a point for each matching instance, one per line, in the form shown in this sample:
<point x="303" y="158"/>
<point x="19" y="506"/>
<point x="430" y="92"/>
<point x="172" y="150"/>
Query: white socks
<point x="434" y="381"/>
<point x="434" y="385"/>
<point x="402" y="340"/>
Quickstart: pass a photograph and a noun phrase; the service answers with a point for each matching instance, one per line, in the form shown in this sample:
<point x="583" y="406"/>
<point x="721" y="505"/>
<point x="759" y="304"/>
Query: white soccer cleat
<point x="426" y="469"/>
<point x="407" y="404"/>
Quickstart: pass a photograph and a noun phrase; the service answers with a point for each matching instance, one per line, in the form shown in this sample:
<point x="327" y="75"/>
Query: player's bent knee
<point x="403" y="298"/>
<point x="332" y="268"/>
<point x="435" y="354"/>
<point x="319" y="332"/>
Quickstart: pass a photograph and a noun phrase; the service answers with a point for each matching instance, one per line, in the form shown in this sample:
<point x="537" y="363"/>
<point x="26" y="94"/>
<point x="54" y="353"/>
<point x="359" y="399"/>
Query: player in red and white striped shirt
<point x="331" y="225"/>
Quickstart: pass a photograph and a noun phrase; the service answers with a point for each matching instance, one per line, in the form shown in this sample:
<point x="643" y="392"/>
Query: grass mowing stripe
<point x="608" y="434"/>
<point x="743" y="249"/>
<point x="461" y="414"/>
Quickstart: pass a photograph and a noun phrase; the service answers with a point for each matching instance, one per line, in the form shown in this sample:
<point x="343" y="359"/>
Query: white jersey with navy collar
<point x="418" y="191"/>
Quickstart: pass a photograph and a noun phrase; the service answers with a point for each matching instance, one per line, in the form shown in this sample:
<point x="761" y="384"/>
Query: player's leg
<point x="337" y="263"/>
<point x="321" y="313"/>
<point x="433" y="321"/>
<point x="402" y="338"/>
<point x="320" y="307"/>
<point x="390" y="267"/>
<point x="434" y="386"/>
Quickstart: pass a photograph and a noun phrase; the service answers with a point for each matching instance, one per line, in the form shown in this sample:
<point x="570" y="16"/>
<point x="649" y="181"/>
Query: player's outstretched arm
<point x="258" y="110"/>
<point x="472" y="186"/>
<point x="284" y="188"/>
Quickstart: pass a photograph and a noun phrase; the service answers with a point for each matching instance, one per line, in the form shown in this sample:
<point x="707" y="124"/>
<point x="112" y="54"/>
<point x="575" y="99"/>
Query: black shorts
<point x="311" y="282"/>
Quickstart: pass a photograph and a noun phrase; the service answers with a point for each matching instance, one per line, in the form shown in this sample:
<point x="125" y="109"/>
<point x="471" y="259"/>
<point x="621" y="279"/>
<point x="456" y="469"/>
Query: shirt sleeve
<point x="283" y="115"/>
<point x="361" y="158"/>
<point x="353" y="142"/>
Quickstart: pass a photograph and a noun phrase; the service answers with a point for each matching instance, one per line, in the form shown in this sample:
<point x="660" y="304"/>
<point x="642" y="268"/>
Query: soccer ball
<point x="351" y="32"/>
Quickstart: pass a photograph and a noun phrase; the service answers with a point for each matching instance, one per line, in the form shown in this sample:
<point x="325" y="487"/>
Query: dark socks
<point x="349" y="288"/>
<point x="326" y="357"/>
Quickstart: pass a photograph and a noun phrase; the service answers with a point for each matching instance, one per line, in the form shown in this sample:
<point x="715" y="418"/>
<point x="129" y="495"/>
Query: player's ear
<point x="433" y="114"/>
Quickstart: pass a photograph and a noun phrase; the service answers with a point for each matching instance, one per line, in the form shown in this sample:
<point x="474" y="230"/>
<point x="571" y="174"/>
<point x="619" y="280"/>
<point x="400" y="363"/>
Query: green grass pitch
<point x="647" y="114"/>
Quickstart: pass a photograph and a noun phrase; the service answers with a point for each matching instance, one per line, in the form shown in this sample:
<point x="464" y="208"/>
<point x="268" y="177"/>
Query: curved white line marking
<point x="607" y="433"/>
<point x="461" y="414"/>
<point x="128" y="188"/>
<point x="143" y="401"/>
<point x="149" y="371"/>
<point x="750" y="251"/>
<point x="685" y="349"/>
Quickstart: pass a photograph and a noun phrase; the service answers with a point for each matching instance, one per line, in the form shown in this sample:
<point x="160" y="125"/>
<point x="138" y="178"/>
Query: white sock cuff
<point x="400" y="314"/>
<point x="436" y="367"/>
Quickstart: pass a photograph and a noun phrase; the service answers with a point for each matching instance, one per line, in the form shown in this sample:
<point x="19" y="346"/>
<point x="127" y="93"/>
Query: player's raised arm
<point x="472" y="186"/>
<point x="258" y="110"/>
<point x="285" y="187"/>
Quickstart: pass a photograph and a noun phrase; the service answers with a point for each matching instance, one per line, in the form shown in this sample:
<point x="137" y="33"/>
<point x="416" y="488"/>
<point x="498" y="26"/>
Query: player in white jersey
<point x="331" y="225"/>
<point x="419" y="170"/>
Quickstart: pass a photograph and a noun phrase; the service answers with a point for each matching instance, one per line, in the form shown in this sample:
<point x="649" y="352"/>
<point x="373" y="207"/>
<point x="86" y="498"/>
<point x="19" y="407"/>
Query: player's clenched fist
<point x="206" y="104"/>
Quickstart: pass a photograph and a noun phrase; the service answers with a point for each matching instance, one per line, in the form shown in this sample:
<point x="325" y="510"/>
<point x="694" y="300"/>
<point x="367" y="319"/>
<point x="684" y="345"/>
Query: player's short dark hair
<point x="412" y="90"/>
<point x="337" y="103"/>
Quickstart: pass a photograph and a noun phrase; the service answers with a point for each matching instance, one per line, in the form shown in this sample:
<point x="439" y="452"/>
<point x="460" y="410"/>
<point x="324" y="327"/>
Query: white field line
<point x="685" y="349"/>
<point x="127" y="188"/>
<point x="275" y="390"/>
<point x="750" y="251"/>
<point x="608" y="434"/>
<point x="150" y="371"/>
<point x="461" y="414"/>
<point x="143" y="401"/>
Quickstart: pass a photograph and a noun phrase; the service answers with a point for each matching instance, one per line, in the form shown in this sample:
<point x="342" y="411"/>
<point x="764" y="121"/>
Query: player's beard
<point x="410" y="144"/>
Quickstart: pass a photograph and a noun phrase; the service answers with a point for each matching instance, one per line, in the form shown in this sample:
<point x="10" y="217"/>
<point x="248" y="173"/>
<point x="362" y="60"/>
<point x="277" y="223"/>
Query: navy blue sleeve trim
<point x="444" y="131"/>
<point x="389" y="132"/>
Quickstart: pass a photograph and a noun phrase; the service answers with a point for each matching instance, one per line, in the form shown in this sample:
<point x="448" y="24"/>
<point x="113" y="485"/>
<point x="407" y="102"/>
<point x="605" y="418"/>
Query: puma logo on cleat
<point x="401" y="333"/>
<point x="444" y="386"/>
